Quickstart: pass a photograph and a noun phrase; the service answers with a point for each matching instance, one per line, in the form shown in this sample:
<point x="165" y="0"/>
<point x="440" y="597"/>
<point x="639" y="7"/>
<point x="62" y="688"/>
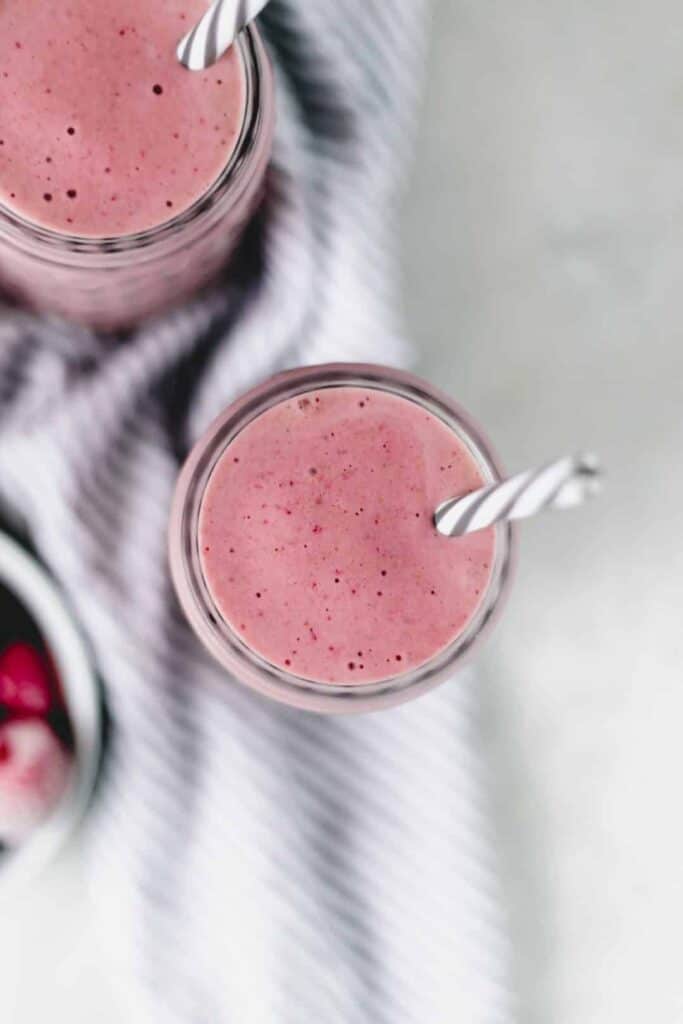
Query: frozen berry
<point x="34" y="771"/>
<point x="26" y="683"/>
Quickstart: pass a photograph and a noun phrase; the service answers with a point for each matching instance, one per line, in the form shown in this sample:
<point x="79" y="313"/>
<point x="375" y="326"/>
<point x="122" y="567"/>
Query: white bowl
<point x="21" y="574"/>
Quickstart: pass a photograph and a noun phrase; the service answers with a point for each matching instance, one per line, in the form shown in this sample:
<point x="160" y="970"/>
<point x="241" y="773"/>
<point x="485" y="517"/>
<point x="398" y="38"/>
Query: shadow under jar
<point x="302" y="542"/>
<point x="114" y="282"/>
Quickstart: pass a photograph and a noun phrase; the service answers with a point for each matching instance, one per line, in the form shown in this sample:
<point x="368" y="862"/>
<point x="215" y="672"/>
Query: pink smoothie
<point x="317" y="542"/>
<point x="102" y="132"/>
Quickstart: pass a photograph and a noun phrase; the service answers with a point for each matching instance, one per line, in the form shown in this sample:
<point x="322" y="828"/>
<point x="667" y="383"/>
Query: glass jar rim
<point x="15" y="228"/>
<point x="195" y="597"/>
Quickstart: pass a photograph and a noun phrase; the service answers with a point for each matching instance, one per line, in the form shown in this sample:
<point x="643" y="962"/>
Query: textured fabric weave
<point x="253" y="864"/>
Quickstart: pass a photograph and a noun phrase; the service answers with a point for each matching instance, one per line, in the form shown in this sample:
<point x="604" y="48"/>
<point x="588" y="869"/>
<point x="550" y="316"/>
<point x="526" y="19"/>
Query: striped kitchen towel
<point x="250" y="863"/>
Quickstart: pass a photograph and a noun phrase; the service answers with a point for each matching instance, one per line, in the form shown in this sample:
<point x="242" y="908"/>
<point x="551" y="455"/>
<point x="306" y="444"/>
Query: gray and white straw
<point x="561" y="484"/>
<point x="216" y="32"/>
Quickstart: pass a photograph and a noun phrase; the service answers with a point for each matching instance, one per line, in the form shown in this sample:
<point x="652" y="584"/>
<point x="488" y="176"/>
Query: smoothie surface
<point x="102" y="132"/>
<point x="317" y="540"/>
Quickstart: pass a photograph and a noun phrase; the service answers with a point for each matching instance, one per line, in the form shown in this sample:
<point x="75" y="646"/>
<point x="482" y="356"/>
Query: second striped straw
<point x="563" y="483"/>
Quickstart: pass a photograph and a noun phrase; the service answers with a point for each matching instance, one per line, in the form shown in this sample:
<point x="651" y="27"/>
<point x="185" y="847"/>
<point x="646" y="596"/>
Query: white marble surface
<point x="544" y="281"/>
<point x="544" y="258"/>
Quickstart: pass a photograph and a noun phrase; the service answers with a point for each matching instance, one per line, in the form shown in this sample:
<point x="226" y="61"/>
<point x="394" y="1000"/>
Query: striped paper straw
<point x="216" y="32"/>
<point x="561" y="484"/>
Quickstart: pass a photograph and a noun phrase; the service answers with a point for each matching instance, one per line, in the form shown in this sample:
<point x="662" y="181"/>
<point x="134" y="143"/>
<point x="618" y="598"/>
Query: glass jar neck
<point x="225" y="190"/>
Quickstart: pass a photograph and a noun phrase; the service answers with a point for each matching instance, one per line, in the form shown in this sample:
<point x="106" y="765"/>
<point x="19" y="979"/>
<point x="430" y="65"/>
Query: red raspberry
<point x="26" y="682"/>
<point x="34" y="773"/>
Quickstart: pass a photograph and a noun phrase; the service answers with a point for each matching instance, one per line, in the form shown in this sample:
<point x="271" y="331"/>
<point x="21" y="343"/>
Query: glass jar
<point x="109" y="283"/>
<point x="197" y="602"/>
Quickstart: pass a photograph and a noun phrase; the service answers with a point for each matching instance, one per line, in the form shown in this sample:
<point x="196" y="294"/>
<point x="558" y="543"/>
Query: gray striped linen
<point x="250" y="863"/>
